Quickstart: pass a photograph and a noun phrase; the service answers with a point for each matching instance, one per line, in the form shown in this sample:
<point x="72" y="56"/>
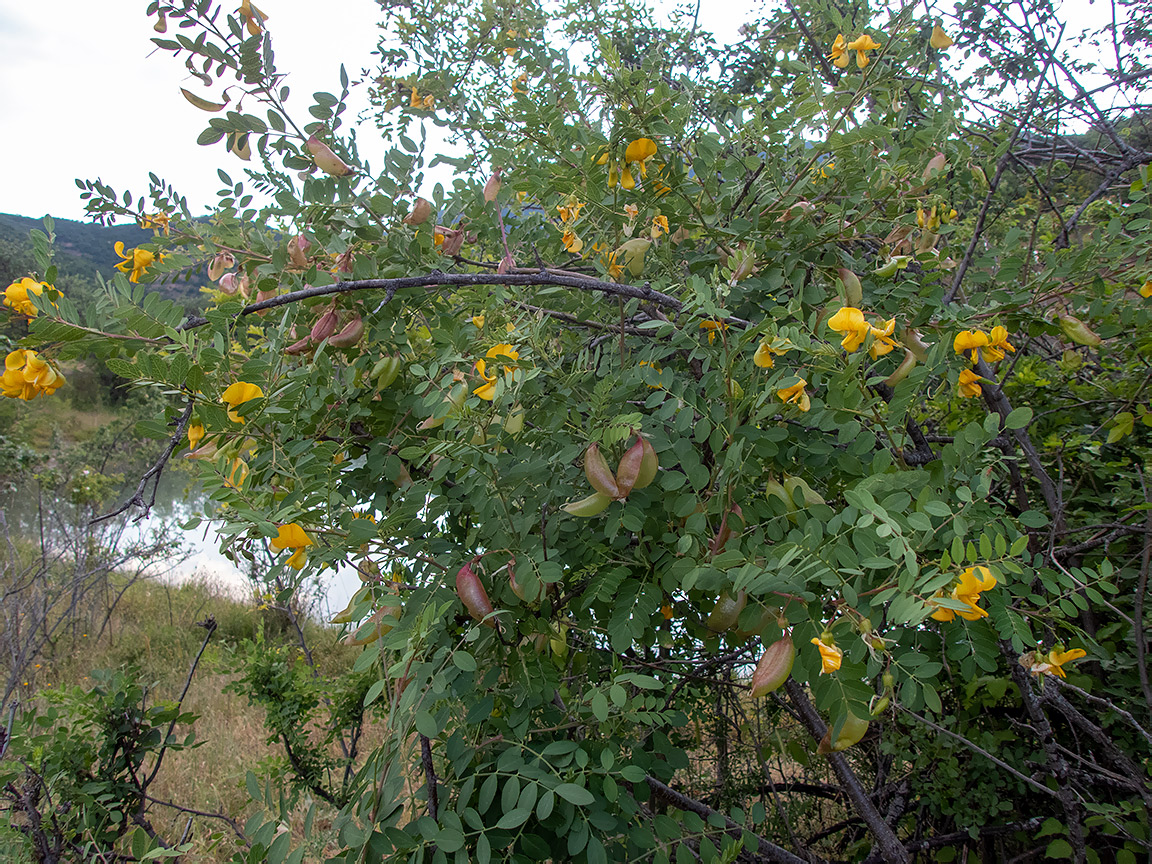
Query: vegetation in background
<point x="744" y="456"/>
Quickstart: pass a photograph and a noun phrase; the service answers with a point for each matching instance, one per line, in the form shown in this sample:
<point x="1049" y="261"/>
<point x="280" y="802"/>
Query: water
<point x="178" y="499"/>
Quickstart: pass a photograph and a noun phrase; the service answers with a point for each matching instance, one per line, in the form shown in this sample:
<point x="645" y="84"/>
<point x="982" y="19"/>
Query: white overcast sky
<point x="84" y="94"/>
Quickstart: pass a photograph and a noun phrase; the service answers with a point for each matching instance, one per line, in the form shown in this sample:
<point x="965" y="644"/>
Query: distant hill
<point x="84" y="249"/>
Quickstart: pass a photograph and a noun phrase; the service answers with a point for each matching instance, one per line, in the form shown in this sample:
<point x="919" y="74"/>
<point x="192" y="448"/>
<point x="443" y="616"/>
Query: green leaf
<point x="574" y="794"/>
<point x="1018" y="418"/>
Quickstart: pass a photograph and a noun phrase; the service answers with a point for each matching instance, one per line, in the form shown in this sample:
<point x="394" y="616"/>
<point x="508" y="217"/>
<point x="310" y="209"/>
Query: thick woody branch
<point x="770" y="851"/>
<point x="888" y="846"/>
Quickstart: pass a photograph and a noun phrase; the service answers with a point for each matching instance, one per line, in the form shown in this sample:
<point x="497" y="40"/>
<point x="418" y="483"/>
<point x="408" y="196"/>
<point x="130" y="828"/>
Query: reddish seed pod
<point x="599" y="474"/>
<point x="472" y="594"/>
<point x="325" y="326"/>
<point x="628" y="471"/>
<point x="298" y="250"/>
<point x="351" y="334"/>
<point x="774" y="667"/>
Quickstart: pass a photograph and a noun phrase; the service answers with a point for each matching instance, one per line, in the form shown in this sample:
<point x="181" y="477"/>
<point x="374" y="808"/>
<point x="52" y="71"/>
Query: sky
<point x="84" y="93"/>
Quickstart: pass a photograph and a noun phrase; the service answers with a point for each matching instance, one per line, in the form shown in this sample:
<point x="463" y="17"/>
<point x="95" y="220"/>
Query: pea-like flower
<point x="28" y="375"/>
<point x="1146" y="288"/>
<point x="572" y="241"/>
<point x="830" y="655"/>
<point x="851" y="323"/>
<point x="158" y="222"/>
<point x="712" y="328"/>
<point x="765" y="353"/>
<point x="972" y="582"/>
<point x="970" y="342"/>
<point x="487" y="390"/>
<point x="997" y="345"/>
<point x="292" y="536"/>
<point x="1051" y="663"/>
<point x="969" y="384"/>
<point x="16" y="295"/>
<point x="252" y="17"/>
<point x="135" y="264"/>
<point x="882" y="341"/>
<point x="236" y="395"/>
<point x="839" y="55"/>
<point x="659" y="226"/>
<point x="195" y="433"/>
<point x="860" y="45"/>
<point x="796" y="395"/>
<point x="940" y="40"/>
<point x="638" y="152"/>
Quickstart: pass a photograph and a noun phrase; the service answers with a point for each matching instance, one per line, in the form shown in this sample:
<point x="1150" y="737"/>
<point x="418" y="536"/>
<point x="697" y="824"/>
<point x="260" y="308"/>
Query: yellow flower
<point x="615" y="269"/>
<point x="839" y="54"/>
<point x="572" y="242"/>
<point x="28" y="375"/>
<point x="969" y="384"/>
<point x="659" y="226"/>
<point x="626" y="178"/>
<point x="487" y="390"/>
<point x="851" y="323"/>
<point x="156" y="221"/>
<point x="1052" y="662"/>
<point x="16" y="295"/>
<point x="882" y="341"/>
<point x="970" y="341"/>
<point x="522" y="80"/>
<point x="640" y="150"/>
<point x="656" y="368"/>
<point x="712" y="327"/>
<point x="292" y="536"/>
<point x="253" y="17"/>
<point x="414" y="100"/>
<point x="136" y="263"/>
<point x="236" y="474"/>
<point x="195" y="433"/>
<point x="860" y="45"/>
<point x="796" y="395"/>
<point x="569" y="210"/>
<point x="997" y="345"/>
<point x="504" y="350"/>
<point x="939" y="39"/>
<point x="830" y="656"/>
<point x="1146" y="288"/>
<point x="478" y="321"/>
<point x="631" y="211"/>
<point x="766" y="351"/>
<point x="236" y="395"/>
<point x="972" y="583"/>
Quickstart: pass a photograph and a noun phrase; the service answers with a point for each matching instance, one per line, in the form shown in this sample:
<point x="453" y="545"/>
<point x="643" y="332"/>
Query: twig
<point x="208" y="815"/>
<point x="208" y="624"/>
<point x="1024" y="778"/>
<point x="153" y="473"/>
<point x="771" y="851"/>
<point x="1104" y="703"/>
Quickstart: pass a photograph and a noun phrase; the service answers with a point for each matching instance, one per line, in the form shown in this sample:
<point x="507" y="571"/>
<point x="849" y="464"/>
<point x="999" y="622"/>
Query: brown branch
<point x="889" y="846"/>
<point x="429" y="776"/>
<point x="153" y="473"/>
<point x="1057" y="767"/>
<point x="771" y="852"/>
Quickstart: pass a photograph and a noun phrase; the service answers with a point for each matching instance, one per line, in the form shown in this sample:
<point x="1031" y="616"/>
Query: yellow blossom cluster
<point x="636" y="158"/>
<point x="861" y="45"/>
<point x="795" y="395"/>
<point x="16" y="295"/>
<point x="856" y="330"/>
<point x="991" y="347"/>
<point x="570" y="212"/>
<point x="136" y="263"/>
<point x="27" y="375"/>
<point x="487" y="390"/>
<point x="967" y="590"/>
<point x="292" y="536"/>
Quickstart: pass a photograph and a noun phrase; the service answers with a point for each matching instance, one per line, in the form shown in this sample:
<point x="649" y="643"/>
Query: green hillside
<point x="84" y="250"/>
